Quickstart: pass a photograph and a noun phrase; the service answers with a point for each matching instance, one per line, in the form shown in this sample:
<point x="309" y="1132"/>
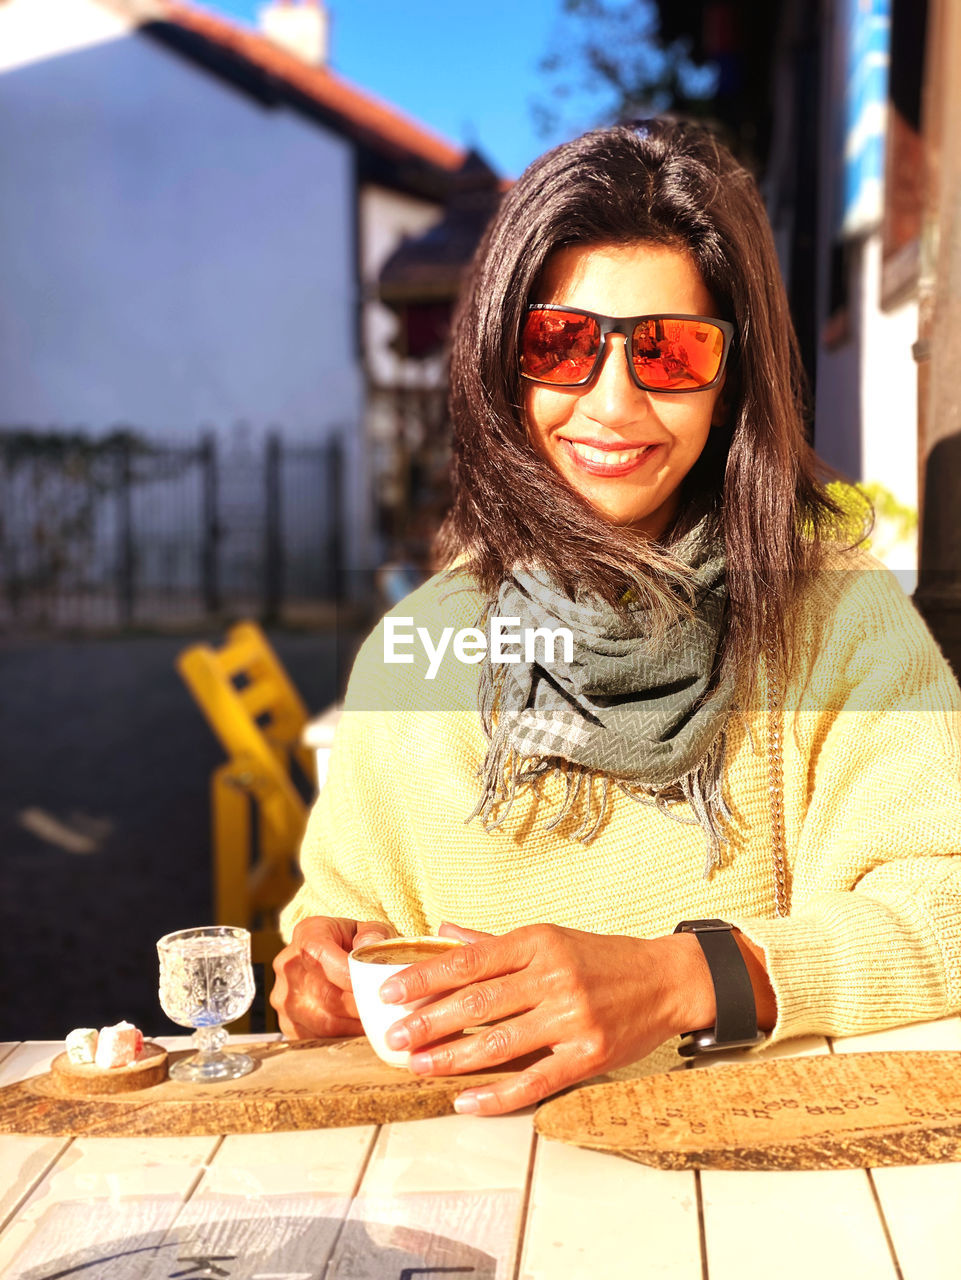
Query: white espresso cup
<point x="370" y="967"/>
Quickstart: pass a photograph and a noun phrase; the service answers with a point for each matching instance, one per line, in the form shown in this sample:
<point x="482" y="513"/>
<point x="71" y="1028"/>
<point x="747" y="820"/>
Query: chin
<point x="650" y="521"/>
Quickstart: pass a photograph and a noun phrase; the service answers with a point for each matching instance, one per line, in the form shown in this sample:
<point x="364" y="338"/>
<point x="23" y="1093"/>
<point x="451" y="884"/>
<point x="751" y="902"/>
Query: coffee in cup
<point x="370" y="967"/>
<point x="404" y="951"/>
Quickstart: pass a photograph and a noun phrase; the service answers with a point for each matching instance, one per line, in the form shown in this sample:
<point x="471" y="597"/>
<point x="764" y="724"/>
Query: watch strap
<point x="735" y="1025"/>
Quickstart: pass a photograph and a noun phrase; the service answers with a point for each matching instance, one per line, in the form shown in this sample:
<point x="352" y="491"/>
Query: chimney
<point x="302" y="27"/>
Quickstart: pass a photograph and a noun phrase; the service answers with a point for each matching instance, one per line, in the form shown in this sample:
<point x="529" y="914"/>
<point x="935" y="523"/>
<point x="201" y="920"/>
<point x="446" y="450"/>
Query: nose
<point x="611" y="397"/>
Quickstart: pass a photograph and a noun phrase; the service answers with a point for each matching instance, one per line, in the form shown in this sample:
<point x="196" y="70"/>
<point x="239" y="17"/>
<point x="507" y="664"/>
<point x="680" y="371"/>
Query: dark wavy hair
<point x="668" y="184"/>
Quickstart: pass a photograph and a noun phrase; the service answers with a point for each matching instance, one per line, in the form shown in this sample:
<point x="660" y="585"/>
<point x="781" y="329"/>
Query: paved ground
<point x="102" y="736"/>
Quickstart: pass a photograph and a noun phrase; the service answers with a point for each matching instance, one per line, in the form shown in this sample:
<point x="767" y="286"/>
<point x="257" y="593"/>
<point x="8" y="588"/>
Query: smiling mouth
<point x="609" y="461"/>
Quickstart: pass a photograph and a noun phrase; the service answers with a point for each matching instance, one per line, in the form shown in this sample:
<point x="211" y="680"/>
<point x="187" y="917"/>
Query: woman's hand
<point x="594" y="1001"/>
<point x="312" y="992"/>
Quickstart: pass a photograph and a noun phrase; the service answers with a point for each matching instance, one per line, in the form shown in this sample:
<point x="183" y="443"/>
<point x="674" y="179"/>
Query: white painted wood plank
<point x="942" y="1034"/>
<point x="112" y="1240"/>
<point x="104" y="1196"/>
<point x="920" y="1203"/>
<point x="921" y="1206"/>
<point x="800" y="1047"/>
<point x="24" y="1160"/>
<point x="273" y="1204"/>
<point x="252" y="1238"/>
<point x="822" y="1224"/>
<point x="117" y="1203"/>
<point x="442" y="1192"/>
<point x="451" y="1153"/>
<point x="471" y="1231"/>
<point x="592" y="1214"/>
<point x="31" y="1058"/>
<point x="261" y="1165"/>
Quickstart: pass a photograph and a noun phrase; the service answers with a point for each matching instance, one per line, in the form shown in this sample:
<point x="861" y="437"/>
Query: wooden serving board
<point x="306" y="1084"/>
<point x="844" y="1111"/>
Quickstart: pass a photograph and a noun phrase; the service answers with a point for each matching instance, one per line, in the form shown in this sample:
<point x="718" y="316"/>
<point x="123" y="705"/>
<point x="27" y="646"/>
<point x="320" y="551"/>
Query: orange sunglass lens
<point x="677" y="355"/>
<point x="559" y="346"/>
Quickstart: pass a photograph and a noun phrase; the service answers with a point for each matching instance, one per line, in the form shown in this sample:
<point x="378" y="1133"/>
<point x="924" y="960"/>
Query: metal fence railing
<point x="121" y="530"/>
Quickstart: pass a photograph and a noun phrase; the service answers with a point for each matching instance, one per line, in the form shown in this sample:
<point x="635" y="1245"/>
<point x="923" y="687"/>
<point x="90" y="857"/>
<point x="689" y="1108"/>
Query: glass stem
<point x="209" y="1040"/>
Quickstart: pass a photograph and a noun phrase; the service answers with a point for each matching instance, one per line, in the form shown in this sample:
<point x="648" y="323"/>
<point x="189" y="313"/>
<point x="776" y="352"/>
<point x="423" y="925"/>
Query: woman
<point x="751" y="726"/>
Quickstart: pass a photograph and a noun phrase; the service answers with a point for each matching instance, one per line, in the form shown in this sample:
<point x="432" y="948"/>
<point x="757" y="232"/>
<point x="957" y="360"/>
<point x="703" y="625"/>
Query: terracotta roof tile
<point x="370" y="119"/>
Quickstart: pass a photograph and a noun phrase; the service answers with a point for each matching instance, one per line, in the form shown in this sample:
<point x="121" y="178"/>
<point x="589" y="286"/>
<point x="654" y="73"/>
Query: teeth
<point x="606" y="459"/>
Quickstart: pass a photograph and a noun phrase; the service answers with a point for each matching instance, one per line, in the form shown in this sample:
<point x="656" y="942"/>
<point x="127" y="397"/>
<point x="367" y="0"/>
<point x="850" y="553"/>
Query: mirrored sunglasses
<point x="563" y="346"/>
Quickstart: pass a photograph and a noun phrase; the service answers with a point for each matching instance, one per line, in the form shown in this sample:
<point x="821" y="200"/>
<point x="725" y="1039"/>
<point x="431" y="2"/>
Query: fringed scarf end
<point x="505" y="774"/>
<point x="564" y="719"/>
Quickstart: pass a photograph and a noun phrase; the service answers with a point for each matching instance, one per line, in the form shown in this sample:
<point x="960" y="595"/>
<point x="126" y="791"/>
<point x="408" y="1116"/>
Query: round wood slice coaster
<point x="82" y="1078"/>
<point x="837" y="1111"/>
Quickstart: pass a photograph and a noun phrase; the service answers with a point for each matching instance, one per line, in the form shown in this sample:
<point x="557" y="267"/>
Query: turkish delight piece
<point x="118" y="1046"/>
<point x="82" y="1045"/>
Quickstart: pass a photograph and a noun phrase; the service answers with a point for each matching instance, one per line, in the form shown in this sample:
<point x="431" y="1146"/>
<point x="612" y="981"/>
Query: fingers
<point x="328" y="1028"/>
<point x="448" y="930"/>
<point x="323" y="941"/>
<point x="307" y="1003"/>
<point x="567" y="1065"/>
<point x="326" y="940"/>
<point x="559" y="1004"/>
<point x="471" y="1006"/>
<point x="371" y="931"/>
<point x="523" y="1090"/>
<point x="289" y="1030"/>
<point x="312" y="991"/>
<point x="489" y="1047"/>
<point x="488" y="958"/>
<point x="325" y="1028"/>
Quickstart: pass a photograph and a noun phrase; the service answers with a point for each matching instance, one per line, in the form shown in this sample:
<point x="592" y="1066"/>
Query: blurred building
<point x="938" y="348"/>
<point x="194" y="218"/>
<point x="850" y="113"/>
<point x="420" y="283"/>
<point x="843" y="179"/>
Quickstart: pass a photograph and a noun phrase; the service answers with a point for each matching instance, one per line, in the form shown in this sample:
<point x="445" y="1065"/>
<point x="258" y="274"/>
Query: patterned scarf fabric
<point x="631" y="710"/>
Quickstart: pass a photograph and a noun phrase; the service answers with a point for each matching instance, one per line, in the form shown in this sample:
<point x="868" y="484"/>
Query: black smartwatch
<point x="735" y="1026"/>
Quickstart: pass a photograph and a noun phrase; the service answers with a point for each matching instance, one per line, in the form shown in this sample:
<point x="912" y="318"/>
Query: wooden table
<point x="456" y="1196"/>
<point x="318" y="736"/>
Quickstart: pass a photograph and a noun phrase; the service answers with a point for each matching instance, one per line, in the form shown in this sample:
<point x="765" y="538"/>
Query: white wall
<point x="866" y="417"/>
<point x="33" y="30"/>
<point x="889" y="387"/>
<point x="386" y="218"/>
<point x="172" y="254"/>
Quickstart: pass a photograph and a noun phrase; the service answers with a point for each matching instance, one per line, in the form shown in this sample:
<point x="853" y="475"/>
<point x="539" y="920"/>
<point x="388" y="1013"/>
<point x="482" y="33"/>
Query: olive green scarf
<point x="644" y="714"/>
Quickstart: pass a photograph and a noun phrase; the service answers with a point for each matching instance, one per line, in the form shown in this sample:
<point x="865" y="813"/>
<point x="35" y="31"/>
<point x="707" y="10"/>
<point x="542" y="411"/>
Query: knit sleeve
<point x="354" y="844"/>
<point x="361" y="852"/>
<point x="873" y="793"/>
<point x="336" y="859"/>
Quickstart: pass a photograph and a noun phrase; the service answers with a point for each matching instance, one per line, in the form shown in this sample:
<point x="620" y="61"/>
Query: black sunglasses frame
<point x="626" y="325"/>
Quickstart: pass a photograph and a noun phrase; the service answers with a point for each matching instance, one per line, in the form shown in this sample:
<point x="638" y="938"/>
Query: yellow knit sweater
<point x="871" y="721"/>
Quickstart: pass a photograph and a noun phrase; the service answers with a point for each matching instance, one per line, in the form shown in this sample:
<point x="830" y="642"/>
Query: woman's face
<point x="624" y="450"/>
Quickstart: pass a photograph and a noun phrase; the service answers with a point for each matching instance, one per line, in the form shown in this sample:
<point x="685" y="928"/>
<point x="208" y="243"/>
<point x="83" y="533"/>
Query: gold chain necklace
<point x="775" y="755"/>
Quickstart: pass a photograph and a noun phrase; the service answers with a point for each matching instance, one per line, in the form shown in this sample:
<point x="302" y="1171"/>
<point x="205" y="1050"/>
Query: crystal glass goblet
<point x="206" y="979"/>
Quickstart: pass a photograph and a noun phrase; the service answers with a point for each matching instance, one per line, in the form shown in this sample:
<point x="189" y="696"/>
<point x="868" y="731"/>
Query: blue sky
<point x="468" y="70"/>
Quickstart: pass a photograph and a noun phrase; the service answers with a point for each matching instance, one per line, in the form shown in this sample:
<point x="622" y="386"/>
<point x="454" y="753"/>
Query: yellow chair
<point x="258" y="814"/>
